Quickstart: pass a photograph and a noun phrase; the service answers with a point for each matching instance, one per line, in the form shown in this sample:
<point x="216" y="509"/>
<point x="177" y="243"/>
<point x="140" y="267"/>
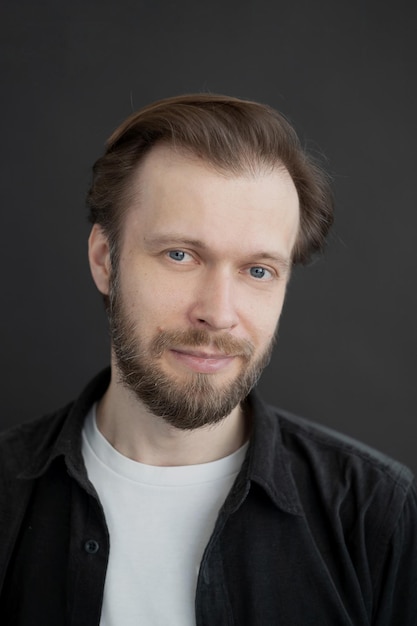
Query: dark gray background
<point x="343" y="72"/>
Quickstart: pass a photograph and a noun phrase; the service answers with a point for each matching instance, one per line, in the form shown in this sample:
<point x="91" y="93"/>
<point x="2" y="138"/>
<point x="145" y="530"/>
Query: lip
<point x="202" y="362"/>
<point x="201" y="354"/>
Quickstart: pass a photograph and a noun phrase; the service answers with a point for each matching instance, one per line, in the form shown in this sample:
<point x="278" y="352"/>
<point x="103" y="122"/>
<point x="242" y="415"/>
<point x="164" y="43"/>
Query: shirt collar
<point x="61" y="435"/>
<point x="269" y="464"/>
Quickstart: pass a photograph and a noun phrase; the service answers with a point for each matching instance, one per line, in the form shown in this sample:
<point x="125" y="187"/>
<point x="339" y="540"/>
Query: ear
<point x="99" y="258"/>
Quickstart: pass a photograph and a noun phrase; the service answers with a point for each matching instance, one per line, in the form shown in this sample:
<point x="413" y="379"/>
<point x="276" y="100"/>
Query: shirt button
<point x="91" y="546"/>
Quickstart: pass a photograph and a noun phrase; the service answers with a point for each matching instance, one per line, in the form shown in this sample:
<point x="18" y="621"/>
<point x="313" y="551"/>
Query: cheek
<point x="265" y="332"/>
<point x="265" y="312"/>
<point x="157" y="304"/>
<point x="260" y="332"/>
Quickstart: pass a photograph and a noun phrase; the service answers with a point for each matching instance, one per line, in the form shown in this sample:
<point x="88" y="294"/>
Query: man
<point x="168" y="493"/>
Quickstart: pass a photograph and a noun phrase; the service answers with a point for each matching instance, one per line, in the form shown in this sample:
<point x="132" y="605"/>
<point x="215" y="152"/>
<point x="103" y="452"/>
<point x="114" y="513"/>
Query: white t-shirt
<point x="160" y="520"/>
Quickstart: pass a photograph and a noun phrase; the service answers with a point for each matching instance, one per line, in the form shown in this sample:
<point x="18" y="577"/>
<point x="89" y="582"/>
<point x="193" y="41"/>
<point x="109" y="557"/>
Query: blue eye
<point x="177" y="255"/>
<point x="259" y="272"/>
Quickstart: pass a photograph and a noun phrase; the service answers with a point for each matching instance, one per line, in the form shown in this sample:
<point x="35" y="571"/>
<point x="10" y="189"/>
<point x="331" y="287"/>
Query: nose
<point x="215" y="301"/>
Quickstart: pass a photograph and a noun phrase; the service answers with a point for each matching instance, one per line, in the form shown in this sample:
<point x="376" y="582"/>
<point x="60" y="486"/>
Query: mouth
<point x="202" y="361"/>
<point x="203" y="354"/>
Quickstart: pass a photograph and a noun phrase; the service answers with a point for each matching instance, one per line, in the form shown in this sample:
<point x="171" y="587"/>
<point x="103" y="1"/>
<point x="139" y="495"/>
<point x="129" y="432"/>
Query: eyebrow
<point x="177" y="238"/>
<point x="184" y="240"/>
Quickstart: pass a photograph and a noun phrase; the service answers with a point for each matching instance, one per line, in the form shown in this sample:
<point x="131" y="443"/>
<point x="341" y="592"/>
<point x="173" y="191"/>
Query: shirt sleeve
<point x="396" y="593"/>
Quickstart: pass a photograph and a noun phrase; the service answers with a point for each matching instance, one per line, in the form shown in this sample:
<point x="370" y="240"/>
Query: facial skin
<point x="204" y="262"/>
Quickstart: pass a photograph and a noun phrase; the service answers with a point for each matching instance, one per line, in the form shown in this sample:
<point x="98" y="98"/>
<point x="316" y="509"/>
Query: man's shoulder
<point x="22" y="443"/>
<point x="334" y="475"/>
<point x="317" y="445"/>
<point x="29" y="446"/>
<point x="343" y="487"/>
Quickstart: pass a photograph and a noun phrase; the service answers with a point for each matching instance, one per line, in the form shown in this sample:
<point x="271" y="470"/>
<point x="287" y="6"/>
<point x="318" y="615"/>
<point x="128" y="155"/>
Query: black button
<point x="91" y="546"/>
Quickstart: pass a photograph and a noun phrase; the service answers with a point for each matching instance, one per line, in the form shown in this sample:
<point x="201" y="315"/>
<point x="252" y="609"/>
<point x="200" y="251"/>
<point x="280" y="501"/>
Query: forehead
<point x="173" y="190"/>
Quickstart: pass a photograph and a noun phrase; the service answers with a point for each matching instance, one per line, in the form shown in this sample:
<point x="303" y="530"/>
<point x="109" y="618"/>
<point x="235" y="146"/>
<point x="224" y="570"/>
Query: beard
<point x="196" y="400"/>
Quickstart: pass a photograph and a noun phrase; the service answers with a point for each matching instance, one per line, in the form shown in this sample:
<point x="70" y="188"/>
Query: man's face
<point x="200" y="284"/>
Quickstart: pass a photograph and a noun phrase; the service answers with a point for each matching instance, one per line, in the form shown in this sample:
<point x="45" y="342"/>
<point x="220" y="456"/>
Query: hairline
<point x="242" y="168"/>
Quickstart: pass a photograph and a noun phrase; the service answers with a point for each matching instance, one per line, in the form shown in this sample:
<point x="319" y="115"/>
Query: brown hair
<point x="233" y="135"/>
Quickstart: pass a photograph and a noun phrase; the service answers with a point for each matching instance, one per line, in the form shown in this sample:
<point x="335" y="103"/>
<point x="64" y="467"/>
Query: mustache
<point x="193" y="338"/>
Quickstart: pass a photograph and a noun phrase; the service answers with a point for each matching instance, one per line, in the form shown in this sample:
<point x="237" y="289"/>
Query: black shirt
<point x="317" y="529"/>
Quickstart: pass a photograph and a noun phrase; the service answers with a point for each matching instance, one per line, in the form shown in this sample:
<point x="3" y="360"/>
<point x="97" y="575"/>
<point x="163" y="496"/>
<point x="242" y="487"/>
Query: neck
<point x="141" y="436"/>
